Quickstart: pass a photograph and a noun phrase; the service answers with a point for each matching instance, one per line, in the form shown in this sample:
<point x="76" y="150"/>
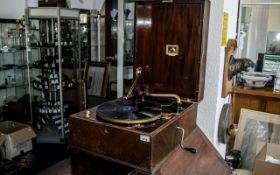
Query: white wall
<point x="81" y="4"/>
<point x="87" y="4"/>
<point x="99" y="4"/>
<point x="273" y="19"/>
<point x="210" y="108"/>
<point x="14" y="9"/>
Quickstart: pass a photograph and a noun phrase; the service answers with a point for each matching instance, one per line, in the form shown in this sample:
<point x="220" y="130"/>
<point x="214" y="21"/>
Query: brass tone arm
<point x="177" y="97"/>
<point x="138" y="74"/>
<point x="166" y="95"/>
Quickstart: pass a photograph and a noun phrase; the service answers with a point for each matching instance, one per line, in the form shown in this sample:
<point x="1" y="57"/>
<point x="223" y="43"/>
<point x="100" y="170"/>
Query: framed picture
<point x="255" y="129"/>
<point x="97" y="76"/>
<point x="273" y="43"/>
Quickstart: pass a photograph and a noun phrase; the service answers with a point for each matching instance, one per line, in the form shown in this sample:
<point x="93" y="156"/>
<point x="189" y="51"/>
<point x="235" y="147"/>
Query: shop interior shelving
<point x="55" y="72"/>
<point x="13" y="79"/>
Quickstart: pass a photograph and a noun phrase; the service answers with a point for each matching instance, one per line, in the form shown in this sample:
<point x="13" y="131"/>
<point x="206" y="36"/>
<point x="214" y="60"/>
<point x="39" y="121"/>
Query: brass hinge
<point x="166" y="1"/>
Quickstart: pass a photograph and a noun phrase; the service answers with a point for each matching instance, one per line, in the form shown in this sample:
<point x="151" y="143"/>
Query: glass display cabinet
<point x="85" y="35"/>
<point x="55" y="71"/>
<point x="13" y="83"/>
<point x="113" y="40"/>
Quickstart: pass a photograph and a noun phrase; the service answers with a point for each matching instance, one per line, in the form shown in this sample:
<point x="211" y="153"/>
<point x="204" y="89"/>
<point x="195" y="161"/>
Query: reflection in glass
<point x="258" y="30"/>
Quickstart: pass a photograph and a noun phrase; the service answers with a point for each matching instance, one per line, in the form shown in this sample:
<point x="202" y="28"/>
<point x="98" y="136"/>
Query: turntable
<point x="142" y="129"/>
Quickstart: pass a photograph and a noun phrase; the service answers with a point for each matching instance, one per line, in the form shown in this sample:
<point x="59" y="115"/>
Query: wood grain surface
<point x="262" y="99"/>
<point x="183" y="24"/>
<point x="206" y="162"/>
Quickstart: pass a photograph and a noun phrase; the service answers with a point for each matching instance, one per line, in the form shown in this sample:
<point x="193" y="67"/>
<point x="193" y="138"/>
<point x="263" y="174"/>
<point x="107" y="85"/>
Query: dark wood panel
<point x="206" y="161"/>
<point x="169" y="138"/>
<point x="123" y="144"/>
<point x="109" y="142"/>
<point x="176" y="24"/>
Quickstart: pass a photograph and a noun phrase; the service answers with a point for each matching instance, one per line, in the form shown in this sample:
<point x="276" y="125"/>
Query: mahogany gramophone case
<point x="140" y="130"/>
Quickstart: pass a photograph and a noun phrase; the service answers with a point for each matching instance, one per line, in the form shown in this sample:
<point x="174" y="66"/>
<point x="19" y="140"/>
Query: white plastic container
<point x="255" y="79"/>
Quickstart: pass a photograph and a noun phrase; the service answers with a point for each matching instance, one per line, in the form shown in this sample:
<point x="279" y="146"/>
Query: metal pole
<point x="60" y="74"/>
<point x="79" y="76"/>
<point x="238" y="28"/>
<point x="53" y="31"/>
<point x="28" y="49"/>
<point x="48" y="39"/>
<point x="120" y="48"/>
<point x="98" y="38"/>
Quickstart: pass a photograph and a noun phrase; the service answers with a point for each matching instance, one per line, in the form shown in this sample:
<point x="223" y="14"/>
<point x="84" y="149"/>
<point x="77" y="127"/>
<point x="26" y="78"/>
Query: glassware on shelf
<point x="13" y="67"/>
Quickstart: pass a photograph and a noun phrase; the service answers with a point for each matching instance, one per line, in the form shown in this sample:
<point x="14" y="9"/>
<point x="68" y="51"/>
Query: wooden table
<point x="262" y="99"/>
<point x="206" y="161"/>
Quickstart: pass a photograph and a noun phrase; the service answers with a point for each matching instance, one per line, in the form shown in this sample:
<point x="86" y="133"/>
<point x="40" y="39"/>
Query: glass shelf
<point x="19" y="85"/>
<point x="13" y="66"/>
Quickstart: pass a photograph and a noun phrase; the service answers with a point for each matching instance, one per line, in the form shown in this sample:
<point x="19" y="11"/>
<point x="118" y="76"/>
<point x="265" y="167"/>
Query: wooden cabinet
<point x="179" y="162"/>
<point x="256" y="99"/>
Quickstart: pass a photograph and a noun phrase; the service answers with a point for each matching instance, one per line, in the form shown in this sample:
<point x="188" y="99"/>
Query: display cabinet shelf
<point x="13" y="68"/>
<point x="55" y="79"/>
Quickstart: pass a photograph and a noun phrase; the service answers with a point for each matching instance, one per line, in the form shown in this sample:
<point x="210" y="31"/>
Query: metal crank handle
<point x="191" y="150"/>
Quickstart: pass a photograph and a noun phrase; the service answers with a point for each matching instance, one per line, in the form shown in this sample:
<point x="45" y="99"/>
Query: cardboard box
<point x="268" y="160"/>
<point x="15" y="138"/>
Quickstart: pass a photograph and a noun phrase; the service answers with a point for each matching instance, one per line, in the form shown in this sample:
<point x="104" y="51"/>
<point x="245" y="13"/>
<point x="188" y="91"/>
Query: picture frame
<point x="273" y="43"/>
<point x="255" y="129"/>
<point x="97" y="77"/>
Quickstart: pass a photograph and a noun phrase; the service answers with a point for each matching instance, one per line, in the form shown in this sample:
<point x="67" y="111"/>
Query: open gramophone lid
<point x="124" y="112"/>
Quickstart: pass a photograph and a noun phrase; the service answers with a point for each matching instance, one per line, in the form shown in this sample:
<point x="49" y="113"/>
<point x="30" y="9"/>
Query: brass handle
<point x="191" y="150"/>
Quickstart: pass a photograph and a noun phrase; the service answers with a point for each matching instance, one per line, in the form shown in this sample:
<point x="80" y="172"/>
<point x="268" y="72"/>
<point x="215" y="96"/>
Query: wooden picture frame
<point x="229" y="51"/>
<point x="97" y="76"/>
<point x="255" y="129"/>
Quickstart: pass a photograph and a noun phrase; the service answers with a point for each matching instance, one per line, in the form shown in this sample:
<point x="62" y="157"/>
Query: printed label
<point x="144" y="138"/>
